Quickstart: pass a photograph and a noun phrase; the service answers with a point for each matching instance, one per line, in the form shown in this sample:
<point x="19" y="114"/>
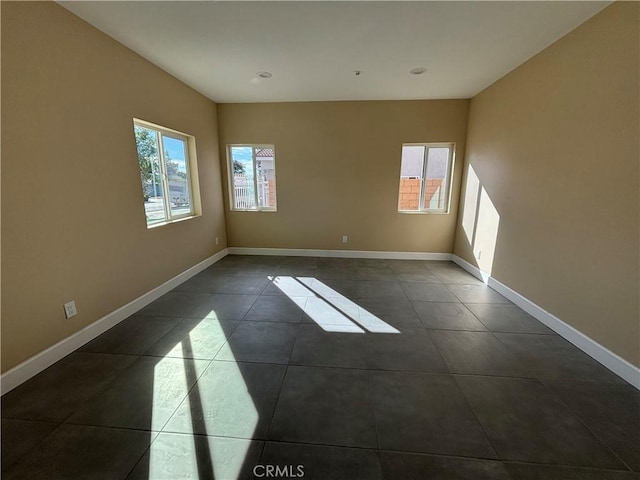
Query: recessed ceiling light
<point x="264" y="74"/>
<point x="417" y="71"/>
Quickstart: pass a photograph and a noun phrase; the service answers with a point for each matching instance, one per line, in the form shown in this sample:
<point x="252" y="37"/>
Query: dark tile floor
<point x="346" y="368"/>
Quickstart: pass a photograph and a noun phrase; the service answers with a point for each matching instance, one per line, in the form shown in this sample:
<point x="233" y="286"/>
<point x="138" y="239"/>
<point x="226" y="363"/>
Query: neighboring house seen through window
<point x="425" y="177"/>
<point x="252" y="177"/>
<point x="166" y="170"/>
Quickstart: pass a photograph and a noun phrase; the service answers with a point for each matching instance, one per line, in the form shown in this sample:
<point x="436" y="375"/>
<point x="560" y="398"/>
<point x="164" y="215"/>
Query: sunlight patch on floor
<point x="331" y="310"/>
<point x="179" y="455"/>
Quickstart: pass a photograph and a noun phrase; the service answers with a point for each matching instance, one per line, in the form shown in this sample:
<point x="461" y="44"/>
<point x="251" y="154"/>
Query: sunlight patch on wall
<point x="480" y="222"/>
<point x="472" y="189"/>
<point x="484" y="245"/>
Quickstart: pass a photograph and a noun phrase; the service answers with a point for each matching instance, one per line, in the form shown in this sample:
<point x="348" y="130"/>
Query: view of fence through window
<point x="253" y="177"/>
<point x="424" y="178"/>
<point x="164" y="171"/>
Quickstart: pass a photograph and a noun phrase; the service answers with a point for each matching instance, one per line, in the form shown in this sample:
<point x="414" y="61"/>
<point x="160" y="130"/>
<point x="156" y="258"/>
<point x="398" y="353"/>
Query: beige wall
<point x="338" y="173"/>
<point x="554" y="144"/>
<point x="73" y="223"/>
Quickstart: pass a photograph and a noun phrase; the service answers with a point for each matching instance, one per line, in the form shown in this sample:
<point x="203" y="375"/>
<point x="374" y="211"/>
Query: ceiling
<point x="313" y="48"/>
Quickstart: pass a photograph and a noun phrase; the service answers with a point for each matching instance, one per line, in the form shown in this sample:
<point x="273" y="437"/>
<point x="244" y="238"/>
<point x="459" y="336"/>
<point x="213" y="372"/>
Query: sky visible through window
<point x="242" y="154"/>
<point x="174" y="150"/>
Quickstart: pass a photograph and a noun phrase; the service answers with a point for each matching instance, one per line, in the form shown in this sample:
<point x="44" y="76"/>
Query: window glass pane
<point x="243" y="186"/>
<point x="266" y="173"/>
<point x="435" y="194"/>
<point x="175" y="157"/>
<point x="411" y="177"/>
<point x="150" y="174"/>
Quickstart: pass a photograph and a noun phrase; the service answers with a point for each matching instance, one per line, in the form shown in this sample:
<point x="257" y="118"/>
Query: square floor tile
<point x="298" y="270"/>
<point x="230" y="399"/>
<point x="239" y="284"/>
<point x="473" y="293"/>
<point x="381" y="272"/>
<point x="477" y="353"/>
<point x="337" y="315"/>
<point x="411" y="350"/>
<point x="289" y="286"/>
<point x="611" y="411"/>
<point x="526" y="422"/>
<point x="413" y="466"/>
<point x="324" y="289"/>
<point x="64" y="387"/>
<point x="144" y="395"/>
<point x="260" y="270"/>
<point x="397" y="312"/>
<point x="329" y="406"/>
<point x="336" y="262"/>
<point x="175" y="304"/>
<point x="407" y="266"/>
<point x="550" y="356"/>
<point x="428" y="292"/>
<point x="277" y="308"/>
<point x="131" y="336"/>
<point x="174" y="456"/>
<point x="447" y="316"/>
<point x="371" y="262"/>
<point x="332" y="287"/>
<point x="78" y="452"/>
<point x="194" y="338"/>
<point x="20" y="436"/>
<point x="232" y="284"/>
<point x="449" y="272"/>
<point x="297" y="261"/>
<point x="268" y="342"/>
<point x="507" y="318"/>
<point x="222" y="306"/>
<point x="425" y="413"/>
<point x="236" y="260"/>
<point x="528" y="471"/>
<point x="418" y="276"/>
<point x="317" y="347"/>
<point x="336" y="272"/>
<point x="318" y="462"/>
<point x="206" y="281"/>
<point x="379" y="289"/>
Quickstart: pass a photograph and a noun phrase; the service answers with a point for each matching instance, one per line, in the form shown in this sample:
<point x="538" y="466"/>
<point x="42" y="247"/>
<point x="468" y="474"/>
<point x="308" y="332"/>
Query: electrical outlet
<point x="70" y="309"/>
<point x="344" y="239"/>
<point x="217" y="241"/>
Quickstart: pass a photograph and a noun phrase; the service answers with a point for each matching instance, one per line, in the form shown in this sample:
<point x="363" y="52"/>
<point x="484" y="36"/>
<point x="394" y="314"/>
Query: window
<point x="252" y="177"/>
<point x="167" y="171"/>
<point x="425" y="177"/>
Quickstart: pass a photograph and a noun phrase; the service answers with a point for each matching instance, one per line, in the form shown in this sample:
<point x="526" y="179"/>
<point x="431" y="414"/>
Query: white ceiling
<point x="312" y="48"/>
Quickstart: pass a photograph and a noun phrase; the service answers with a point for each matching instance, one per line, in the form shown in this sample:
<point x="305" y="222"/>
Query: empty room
<point x="323" y="240"/>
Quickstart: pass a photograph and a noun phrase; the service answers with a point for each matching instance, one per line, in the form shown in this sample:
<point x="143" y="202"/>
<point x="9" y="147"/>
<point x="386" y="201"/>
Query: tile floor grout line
<point x="475" y="416"/>
<point x="584" y="423"/>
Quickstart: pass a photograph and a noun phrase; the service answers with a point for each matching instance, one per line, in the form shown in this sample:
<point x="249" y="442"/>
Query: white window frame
<point x="232" y="200"/>
<point x="191" y="167"/>
<point x="447" y="181"/>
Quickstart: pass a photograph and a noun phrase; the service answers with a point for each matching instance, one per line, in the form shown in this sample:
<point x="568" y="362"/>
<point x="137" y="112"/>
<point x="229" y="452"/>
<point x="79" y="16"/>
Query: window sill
<point x="262" y="210"/>
<point x="171" y="222"/>
<point x="422" y="212"/>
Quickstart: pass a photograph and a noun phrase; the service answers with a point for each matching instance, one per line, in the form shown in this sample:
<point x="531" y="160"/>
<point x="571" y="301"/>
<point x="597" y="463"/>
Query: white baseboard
<point x="34" y="365"/>
<point x="603" y="355"/>
<point x="303" y="252"/>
